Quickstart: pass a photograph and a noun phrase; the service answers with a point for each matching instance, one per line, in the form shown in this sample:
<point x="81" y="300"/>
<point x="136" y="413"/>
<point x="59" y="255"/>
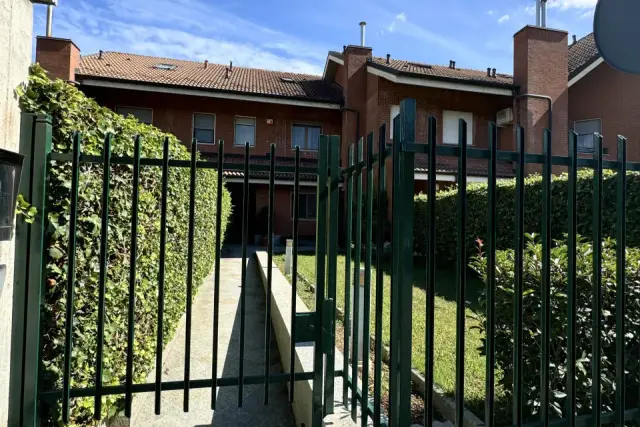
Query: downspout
<point x="549" y="108"/>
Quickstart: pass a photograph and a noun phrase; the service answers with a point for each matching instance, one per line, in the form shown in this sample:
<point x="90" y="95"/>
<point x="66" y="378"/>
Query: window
<point x="395" y="110"/>
<point x="145" y="115"/>
<point x="306" y="206"/>
<point x="168" y="67"/>
<point x="245" y="131"/>
<point x="450" y="126"/>
<point x="306" y="136"/>
<point x="586" y="130"/>
<point x="203" y="127"/>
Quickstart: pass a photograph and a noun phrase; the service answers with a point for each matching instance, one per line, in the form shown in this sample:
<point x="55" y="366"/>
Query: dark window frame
<point x="306" y="127"/>
<point x="213" y="130"/>
<point x="304" y="216"/>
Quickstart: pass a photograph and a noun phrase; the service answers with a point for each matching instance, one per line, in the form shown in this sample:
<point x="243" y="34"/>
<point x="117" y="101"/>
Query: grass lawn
<point x="445" y="328"/>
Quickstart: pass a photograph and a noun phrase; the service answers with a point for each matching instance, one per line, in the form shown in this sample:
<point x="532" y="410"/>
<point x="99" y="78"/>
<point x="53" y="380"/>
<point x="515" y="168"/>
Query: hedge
<point x="531" y="315"/>
<point x="447" y="203"/>
<point x="72" y="111"/>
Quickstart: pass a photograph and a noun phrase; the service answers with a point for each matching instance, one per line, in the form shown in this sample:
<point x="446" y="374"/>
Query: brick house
<point x="211" y="102"/>
<point x="602" y="99"/>
<point x="553" y="85"/>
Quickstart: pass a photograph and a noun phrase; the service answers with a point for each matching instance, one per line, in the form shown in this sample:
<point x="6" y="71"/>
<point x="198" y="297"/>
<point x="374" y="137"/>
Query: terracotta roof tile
<point x="475" y="167"/>
<point x="582" y="54"/>
<point x="190" y="74"/>
<point x="443" y="72"/>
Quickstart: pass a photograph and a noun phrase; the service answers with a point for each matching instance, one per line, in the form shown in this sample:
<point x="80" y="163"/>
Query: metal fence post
<point x="35" y="144"/>
<point x="402" y="270"/>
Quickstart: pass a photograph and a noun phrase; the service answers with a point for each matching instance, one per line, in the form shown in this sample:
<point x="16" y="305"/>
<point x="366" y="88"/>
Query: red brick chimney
<point x="354" y="78"/>
<point x="60" y="57"/>
<point x="540" y="67"/>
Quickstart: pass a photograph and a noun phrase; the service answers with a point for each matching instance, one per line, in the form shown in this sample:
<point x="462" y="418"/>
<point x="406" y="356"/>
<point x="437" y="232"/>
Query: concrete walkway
<point x="253" y="413"/>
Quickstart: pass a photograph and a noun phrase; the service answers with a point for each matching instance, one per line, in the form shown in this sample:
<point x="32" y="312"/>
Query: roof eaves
<point x="584" y="66"/>
<point x="397" y="72"/>
<point x="204" y="89"/>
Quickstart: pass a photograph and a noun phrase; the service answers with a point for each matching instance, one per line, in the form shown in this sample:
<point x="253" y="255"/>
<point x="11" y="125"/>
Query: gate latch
<point x="328" y="321"/>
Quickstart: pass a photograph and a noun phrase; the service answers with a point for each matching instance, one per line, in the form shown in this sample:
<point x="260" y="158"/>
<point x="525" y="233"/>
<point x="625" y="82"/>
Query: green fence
<point x="366" y="176"/>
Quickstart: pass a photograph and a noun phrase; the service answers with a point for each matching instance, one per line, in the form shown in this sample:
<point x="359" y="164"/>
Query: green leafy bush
<point x="531" y="314"/>
<point x="72" y="111"/>
<point x="447" y="204"/>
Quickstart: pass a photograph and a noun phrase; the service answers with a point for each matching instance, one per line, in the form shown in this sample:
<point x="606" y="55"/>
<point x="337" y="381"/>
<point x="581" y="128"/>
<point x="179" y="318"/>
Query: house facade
<point x="603" y="100"/>
<point x="552" y="85"/>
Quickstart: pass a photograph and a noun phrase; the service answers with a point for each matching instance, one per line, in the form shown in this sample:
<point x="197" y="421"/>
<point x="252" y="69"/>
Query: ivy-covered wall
<point x="72" y="111"/>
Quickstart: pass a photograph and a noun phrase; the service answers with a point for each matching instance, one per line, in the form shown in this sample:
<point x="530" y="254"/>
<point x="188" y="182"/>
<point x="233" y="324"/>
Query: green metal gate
<point x="368" y="177"/>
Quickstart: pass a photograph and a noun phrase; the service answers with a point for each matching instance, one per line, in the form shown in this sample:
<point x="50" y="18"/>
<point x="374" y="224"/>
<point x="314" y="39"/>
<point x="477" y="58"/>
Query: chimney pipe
<point x="538" y="12"/>
<point x="543" y="13"/>
<point x="388" y="57"/>
<point x="362" y="29"/>
<point x="230" y="65"/>
<point x="100" y="54"/>
<point x="49" y="19"/>
<point x="206" y="63"/>
<point x="575" y="39"/>
<point x="493" y="72"/>
<point x="488" y="71"/>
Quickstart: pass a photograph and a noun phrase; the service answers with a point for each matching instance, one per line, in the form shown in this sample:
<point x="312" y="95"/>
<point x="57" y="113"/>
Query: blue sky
<point x="295" y="35"/>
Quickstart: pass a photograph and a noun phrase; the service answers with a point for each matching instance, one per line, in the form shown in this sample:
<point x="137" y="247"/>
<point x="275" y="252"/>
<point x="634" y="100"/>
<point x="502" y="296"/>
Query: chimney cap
<point x="575" y="38"/>
<point x="388" y="58"/>
<point x="100" y="54"/>
<point x="362" y="23"/>
<point x="493" y="72"/>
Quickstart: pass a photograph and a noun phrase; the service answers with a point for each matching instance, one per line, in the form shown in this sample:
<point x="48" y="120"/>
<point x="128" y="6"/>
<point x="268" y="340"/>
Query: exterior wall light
<point x="10" y="169"/>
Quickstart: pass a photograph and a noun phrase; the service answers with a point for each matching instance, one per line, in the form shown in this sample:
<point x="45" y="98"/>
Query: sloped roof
<point x="443" y="72"/>
<point x="582" y="54"/>
<point x="190" y="74"/>
<point x="475" y="167"/>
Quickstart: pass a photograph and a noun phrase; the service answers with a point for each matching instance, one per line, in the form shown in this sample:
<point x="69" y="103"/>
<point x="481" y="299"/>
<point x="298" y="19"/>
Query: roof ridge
<point x="162" y="58"/>
<point x="439" y="65"/>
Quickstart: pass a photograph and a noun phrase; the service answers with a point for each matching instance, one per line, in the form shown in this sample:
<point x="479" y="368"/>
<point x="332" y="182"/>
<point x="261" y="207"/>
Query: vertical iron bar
<point x="396" y="267"/>
<point x="572" y="303"/>
<point x="294" y="272"/>
<point x="216" y="283"/>
<point x="431" y="273"/>
<point x="332" y="269"/>
<point x="519" y="266"/>
<point x="347" y="280"/>
<point x="161" y="273"/>
<point x="380" y="228"/>
<point x="192" y="225"/>
<point x="597" y="281"/>
<point x="104" y="237"/>
<point x="546" y="278"/>
<point x="321" y="248"/>
<point x="132" y="277"/>
<point x="267" y="318"/>
<point x="356" y="285"/>
<point x="407" y="135"/>
<point x="366" y="334"/>
<point x="71" y="275"/>
<point x="461" y="270"/>
<point x="243" y="282"/>
<point x="491" y="279"/>
<point x="621" y="245"/>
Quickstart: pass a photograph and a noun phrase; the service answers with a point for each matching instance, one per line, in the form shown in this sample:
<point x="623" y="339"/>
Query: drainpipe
<point x="549" y="108"/>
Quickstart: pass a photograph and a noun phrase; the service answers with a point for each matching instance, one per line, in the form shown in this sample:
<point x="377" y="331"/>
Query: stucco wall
<point x="16" y="23"/>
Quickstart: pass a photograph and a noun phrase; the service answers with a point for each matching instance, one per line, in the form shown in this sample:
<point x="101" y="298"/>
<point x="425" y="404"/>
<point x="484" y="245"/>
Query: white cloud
<point x="399" y="19"/>
<point x="530" y="10"/>
<point x="572" y="4"/>
<point x="175" y="29"/>
<point x="588" y="14"/>
<point x="503" y="18"/>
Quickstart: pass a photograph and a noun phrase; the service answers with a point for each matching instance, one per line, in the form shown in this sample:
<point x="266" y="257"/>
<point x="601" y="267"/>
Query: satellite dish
<point x="617" y="33"/>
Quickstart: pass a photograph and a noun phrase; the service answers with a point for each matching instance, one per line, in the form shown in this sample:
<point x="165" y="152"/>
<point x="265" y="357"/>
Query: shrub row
<point x="531" y="315"/>
<point x="447" y="205"/>
<point x="72" y="111"/>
